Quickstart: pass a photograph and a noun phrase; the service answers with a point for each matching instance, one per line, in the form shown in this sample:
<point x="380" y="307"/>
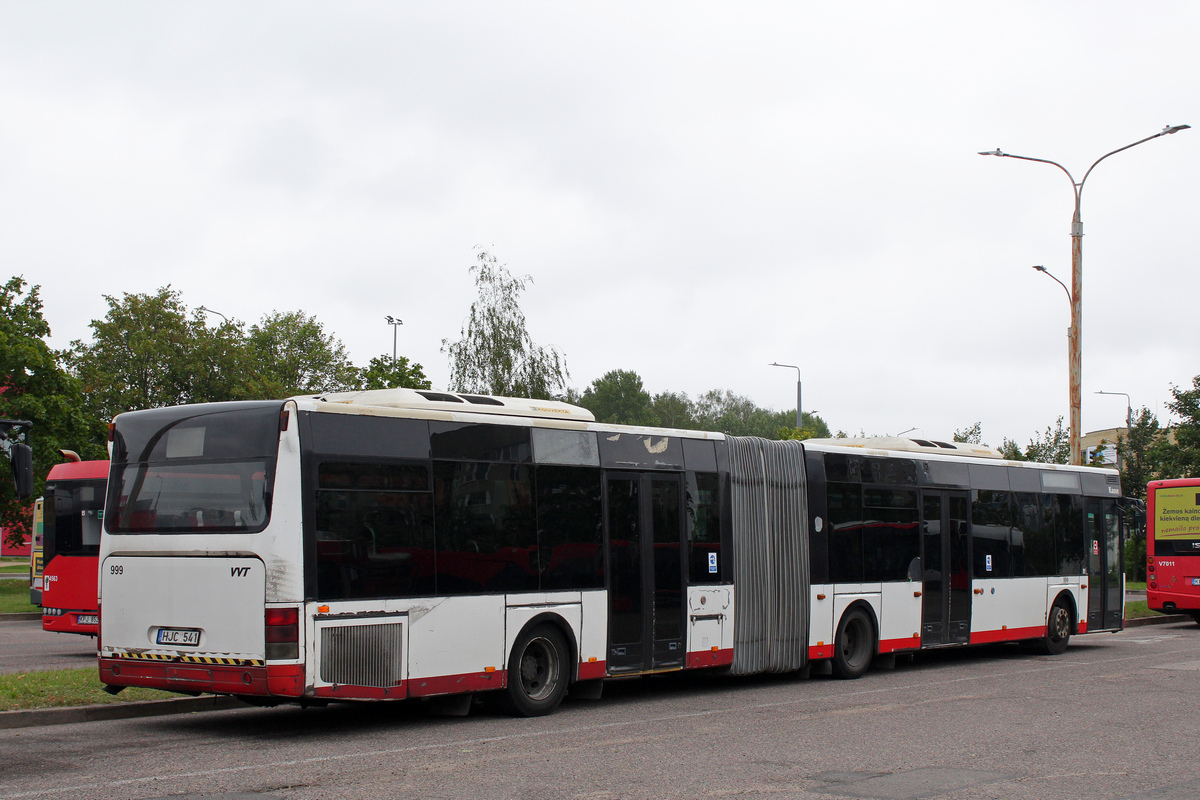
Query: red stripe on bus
<point x="1008" y="635"/>
<point x="176" y="677"/>
<point x="397" y="692"/>
<point x="817" y="652"/>
<point x="892" y="645"/>
<point x="709" y="658"/>
<point x="454" y="684"/>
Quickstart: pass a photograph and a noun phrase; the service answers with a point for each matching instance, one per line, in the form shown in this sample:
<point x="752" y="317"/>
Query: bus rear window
<point x="225" y="497"/>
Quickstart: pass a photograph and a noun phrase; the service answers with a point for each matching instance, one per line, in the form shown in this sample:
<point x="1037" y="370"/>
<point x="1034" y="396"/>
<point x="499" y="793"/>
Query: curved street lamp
<point x="793" y="366"/>
<point x="1075" y="335"/>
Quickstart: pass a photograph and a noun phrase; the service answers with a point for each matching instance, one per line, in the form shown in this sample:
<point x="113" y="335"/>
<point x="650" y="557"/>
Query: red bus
<point x="1173" y="546"/>
<point x="66" y="544"/>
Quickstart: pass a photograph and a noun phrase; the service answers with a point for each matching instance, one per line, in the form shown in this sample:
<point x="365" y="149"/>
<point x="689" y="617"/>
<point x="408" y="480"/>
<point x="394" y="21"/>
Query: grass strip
<point x="14" y="596"/>
<point x="1138" y="608"/>
<point x="65" y="687"/>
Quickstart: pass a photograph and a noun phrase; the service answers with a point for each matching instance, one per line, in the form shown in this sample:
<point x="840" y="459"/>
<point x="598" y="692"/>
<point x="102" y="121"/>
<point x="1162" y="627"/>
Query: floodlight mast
<point x="1075" y="335"/>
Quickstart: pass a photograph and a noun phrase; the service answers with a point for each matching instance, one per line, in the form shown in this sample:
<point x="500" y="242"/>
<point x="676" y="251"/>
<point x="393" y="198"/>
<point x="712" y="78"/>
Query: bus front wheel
<point x="537" y="672"/>
<point x="1058" y="631"/>
<point x="853" y="645"/>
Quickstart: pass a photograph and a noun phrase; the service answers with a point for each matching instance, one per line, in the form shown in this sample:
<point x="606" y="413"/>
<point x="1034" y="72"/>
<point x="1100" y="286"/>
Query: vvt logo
<point x="239" y="572"/>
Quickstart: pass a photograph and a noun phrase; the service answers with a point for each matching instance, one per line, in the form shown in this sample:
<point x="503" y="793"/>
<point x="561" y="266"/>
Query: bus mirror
<point x="20" y="458"/>
<point x="914" y="569"/>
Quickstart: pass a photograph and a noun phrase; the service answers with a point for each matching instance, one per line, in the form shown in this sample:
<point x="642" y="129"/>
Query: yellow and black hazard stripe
<point x="227" y="662"/>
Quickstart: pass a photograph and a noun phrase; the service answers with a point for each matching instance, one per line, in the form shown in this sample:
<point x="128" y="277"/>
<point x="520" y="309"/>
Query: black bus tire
<point x="853" y="645"/>
<point x="1058" y="630"/>
<point x="538" y="672"/>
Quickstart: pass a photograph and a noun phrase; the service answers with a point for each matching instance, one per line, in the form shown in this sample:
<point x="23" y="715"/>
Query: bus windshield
<point x="194" y="469"/>
<point x="73" y="512"/>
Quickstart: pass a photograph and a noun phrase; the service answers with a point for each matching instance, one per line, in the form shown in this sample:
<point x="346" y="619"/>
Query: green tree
<point x="384" y="373"/>
<point x="618" y="397"/>
<point x="971" y="435"/>
<point x="496" y="355"/>
<point x="1052" y="448"/>
<point x="1181" y="458"/>
<point x="142" y="354"/>
<point x="813" y="427"/>
<point x="1139" y="453"/>
<point x="674" y="410"/>
<point x="1011" y="450"/>
<point x="292" y="354"/>
<point x="35" y="386"/>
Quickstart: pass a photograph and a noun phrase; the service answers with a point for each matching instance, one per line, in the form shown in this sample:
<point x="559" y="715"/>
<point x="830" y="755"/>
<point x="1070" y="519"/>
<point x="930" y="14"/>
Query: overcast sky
<point x="697" y="189"/>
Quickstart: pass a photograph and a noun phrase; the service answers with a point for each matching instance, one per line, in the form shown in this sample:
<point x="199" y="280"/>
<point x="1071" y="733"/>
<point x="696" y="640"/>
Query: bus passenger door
<point x="1105" y="587"/>
<point x="645" y="571"/>
<point x="946" y="579"/>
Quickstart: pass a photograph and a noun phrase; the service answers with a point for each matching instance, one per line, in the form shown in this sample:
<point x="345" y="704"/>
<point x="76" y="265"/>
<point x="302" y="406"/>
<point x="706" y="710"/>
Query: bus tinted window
<point x="72" y="516"/>
<point x="210" y="431"/>
<point x="486" y="527"/>
<point x="374" y="526"/>
<point x="471" y="442"/>
<point x="1035" y="538"/>
<point x="991" y="527"/>
<point x="222" y="497"/>
<point x="368" y="437"/>
<point x="570" y="554"/>
<point x="1068" y="533"/>
<point x="890" y="538"/>
<point x="706" y="562"/>
<point x="845" y="535"/>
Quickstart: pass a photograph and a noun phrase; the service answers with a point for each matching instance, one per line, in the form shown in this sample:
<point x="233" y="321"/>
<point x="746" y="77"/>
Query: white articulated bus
<point x="399" y="544"/>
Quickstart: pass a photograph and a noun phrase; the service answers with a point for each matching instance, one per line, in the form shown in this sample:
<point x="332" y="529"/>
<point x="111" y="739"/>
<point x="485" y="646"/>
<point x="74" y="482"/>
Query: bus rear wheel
<point x="1058" y="631"/>
<point x="853" y="645"/>
<point x="537" y="672"/>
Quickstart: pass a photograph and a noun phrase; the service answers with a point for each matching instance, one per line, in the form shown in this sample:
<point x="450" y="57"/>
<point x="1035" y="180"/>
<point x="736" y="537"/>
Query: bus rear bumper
<point x="271" y="680"/>
<point x="69" y="622"/>
<point x="1172" y="602"/>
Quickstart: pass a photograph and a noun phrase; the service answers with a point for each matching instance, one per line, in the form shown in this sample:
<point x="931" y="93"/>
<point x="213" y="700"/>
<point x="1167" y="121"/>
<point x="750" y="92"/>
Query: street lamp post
<point x="210" y="311"/>
<point x="1128" y="409"/>
<point x="1075" y="337"/>
<point x="792" y="366"/>
<point x="395" y="323"/>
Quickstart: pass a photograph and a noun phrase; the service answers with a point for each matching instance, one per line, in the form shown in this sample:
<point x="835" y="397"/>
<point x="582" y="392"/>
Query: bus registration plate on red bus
<point x="178" y="636"/>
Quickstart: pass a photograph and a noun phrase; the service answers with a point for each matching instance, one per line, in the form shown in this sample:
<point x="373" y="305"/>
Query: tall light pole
<point x="793" y="366"/>
<point x="1075" y="337"/>
<point x="395" y="323"/>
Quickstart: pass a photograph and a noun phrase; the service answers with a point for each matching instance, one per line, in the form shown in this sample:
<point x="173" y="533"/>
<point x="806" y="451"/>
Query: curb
<point x="16" y="615"/>
<point x="1161" y="619"/>
<point x="28" y="718"/>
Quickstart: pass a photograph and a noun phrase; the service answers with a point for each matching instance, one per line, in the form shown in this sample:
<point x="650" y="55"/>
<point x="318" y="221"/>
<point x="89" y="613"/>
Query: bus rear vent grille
<point x="362" y="655"/>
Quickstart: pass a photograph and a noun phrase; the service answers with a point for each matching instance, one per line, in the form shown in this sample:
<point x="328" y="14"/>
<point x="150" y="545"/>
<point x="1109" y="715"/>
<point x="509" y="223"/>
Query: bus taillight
<point x="283" y="633"/>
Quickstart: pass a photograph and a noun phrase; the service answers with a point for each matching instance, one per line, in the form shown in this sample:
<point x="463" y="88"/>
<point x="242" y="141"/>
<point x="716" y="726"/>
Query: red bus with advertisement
<point x="1173" y="546"/>
<point x="66" y="544"/>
